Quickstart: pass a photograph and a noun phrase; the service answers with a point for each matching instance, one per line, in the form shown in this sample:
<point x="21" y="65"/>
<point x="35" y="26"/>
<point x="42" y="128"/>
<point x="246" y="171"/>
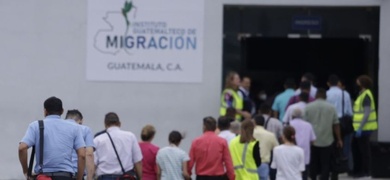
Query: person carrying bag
<point x="127" y="175"/>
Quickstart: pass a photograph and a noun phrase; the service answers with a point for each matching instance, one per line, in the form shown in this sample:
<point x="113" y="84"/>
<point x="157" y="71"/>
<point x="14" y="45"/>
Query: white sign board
<point x="145" y="40"/>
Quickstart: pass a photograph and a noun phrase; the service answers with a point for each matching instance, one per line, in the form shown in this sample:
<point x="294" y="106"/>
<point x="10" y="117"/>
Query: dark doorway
<point x="269" y="61"/>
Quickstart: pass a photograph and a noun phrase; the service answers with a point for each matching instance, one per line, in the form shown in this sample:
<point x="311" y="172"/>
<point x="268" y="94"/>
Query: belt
<point x="63" y="174"/>
<point x="110" y="175"/>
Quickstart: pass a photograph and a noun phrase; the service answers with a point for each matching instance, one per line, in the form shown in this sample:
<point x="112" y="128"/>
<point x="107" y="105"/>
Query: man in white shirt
<point x="224" y="127"/>
<point x="308" y="77"/>
<point x="125" y="143"/>
<point x="303" y="100"/>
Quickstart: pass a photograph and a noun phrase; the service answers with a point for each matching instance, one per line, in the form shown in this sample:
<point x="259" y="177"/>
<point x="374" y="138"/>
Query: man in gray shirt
<point x="323" y="117"/>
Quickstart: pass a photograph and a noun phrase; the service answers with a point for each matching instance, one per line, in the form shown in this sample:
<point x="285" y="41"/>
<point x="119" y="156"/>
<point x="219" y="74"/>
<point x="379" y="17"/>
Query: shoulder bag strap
<point x="342" y="103"/>
<point x="117" y="155"/>
<point x="41" y="142"/>
<point x="266" y="122"/>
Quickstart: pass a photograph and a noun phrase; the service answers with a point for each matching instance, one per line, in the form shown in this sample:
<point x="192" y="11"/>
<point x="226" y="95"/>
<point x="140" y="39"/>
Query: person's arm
<point x="192" y="158"/>
<point x="275" y="108"/>
<point x="138" y="169"/>
<point x="158" y="172"/>
<point x="89" y="154"/>
<point x="336" y="130"/>
<point x="137" y="156"/>
<point x="79" y="146"/>
<point x="366" y="110"/>
<point x="274" y="165"/>
<point x="256" y="154"/>
<point x="23" y="157"/>
<point x="90" y="163"/>
<point x="227" y="159"/>
<point x="185" y="172"/>
<point x="302" y="165"/>
<point x="80" y="163"/>
<point x="348" y="104"/>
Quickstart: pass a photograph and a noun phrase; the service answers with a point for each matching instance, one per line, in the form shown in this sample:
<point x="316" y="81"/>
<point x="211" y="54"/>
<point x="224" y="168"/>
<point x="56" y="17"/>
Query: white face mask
<point x="263" y="96"/>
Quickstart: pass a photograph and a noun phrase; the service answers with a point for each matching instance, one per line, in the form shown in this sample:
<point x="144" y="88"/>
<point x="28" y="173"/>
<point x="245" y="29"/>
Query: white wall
<point x="42" y="50"/>
<point x="384" y="66"/>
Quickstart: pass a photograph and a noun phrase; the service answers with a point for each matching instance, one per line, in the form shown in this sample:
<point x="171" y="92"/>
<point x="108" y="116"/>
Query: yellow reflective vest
<point x="238" y="102"/>
<point x="243" y="161"/>
<point x="358" y="113"/>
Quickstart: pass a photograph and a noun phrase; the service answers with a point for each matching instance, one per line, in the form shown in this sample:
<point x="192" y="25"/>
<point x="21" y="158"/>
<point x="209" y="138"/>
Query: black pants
<point x="320" y="160"/>
<point x="361" y="155"/>
<point x="212" y="178"/>
<point x="305" y="174"/>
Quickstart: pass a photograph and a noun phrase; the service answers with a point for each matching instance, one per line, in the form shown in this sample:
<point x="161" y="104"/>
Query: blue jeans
<point x="347" y="151"/>
<point x="263" y="171"/>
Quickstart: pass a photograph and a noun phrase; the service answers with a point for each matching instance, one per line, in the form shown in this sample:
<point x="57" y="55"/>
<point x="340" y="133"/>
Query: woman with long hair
<point x="149" y="153"/>
<point x="288" y="158"/>
<point x="230" y="97"/>
<point x="245" y="152"/>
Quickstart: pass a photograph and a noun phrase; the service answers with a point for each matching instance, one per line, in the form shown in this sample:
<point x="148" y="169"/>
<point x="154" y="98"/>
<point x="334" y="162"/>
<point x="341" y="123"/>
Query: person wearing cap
<point x="60" y="139"/>
<point x="124" y="143"/>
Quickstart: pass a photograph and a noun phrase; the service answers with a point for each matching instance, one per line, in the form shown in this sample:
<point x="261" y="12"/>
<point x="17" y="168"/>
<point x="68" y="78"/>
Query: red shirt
<point x="149" y="152"/>
<point x="210" y="155"/>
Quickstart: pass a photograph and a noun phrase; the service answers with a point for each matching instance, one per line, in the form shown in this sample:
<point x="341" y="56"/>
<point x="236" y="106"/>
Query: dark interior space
<point x="270" y="61"/>
<point x="256" y="43"/>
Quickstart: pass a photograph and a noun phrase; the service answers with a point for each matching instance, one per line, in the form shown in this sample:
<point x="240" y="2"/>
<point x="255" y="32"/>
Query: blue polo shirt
<point x="88" y="139"/>
<point x="281" y="102"/>
<point x="61" y="138"/>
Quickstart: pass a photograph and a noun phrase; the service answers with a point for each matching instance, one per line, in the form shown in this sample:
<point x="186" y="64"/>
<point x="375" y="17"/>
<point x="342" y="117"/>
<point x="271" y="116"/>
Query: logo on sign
<point x="125" y="33"/>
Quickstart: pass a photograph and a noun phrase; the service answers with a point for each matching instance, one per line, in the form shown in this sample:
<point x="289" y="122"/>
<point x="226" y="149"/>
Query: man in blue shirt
<point x="76" y="117"/>
<point x="280" y="103"/>
<point x="60" y="138"/>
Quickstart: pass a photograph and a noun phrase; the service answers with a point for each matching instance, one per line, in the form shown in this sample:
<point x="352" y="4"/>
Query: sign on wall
<point x="145" y="40"/>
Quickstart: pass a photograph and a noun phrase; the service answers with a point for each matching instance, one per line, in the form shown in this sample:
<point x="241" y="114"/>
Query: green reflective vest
<point x="358" y="113"/>
<point x="243" y="161"/>
<point x="238" y="102"/>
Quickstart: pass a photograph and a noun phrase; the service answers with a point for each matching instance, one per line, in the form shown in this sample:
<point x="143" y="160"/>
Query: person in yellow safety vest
<point x="230" y="97"/>
<point x="364" y="123"/>
<point x="245" y="152"/>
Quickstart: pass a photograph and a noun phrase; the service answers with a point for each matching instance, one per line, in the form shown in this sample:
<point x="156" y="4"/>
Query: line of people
<point x="324" y="121"/>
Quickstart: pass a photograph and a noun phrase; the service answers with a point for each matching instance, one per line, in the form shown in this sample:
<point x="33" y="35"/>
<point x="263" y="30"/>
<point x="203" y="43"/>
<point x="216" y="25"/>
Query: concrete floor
<point x="345" y="177"/>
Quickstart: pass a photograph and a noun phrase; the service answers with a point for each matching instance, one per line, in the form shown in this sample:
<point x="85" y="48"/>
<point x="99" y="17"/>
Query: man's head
<point x="111" y="119"/>
<point x="333" y="80"/>
<point x="53" y="106"/>
<point x="75" y="115"/>
<point x="209" y="124"/>
<point x="259" y="120"/>
<point x="224" y="123"/>
<point x="304" y="96"/>
<point x="246" y="82"/>
<point x="297" y="113"/>
<point x="305" y="86"/>
<point x="265" y="109"/>
<point x="321" y="93"/>
<point x="175" y="138"/>
<point x="289" y="83"/>
<point x="308" y="77"/>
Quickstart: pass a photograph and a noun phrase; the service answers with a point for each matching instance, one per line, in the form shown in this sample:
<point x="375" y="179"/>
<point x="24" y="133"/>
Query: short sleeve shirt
<point x="61" y="138"/>
<point x="289" y="162"/>
<point x="170" y="160"/>
<point x="322" y="116"/>
<point x="281" y="101"/>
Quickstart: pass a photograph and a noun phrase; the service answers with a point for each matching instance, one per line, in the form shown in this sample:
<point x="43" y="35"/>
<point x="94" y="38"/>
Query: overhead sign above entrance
<point x="145" y="40"/>
<point x="307" y="23"/>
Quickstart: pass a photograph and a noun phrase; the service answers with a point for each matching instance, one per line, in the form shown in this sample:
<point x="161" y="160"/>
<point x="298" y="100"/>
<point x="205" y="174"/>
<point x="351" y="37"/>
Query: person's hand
<point x="340" y="144"/>
<point x="358" y="133"/>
